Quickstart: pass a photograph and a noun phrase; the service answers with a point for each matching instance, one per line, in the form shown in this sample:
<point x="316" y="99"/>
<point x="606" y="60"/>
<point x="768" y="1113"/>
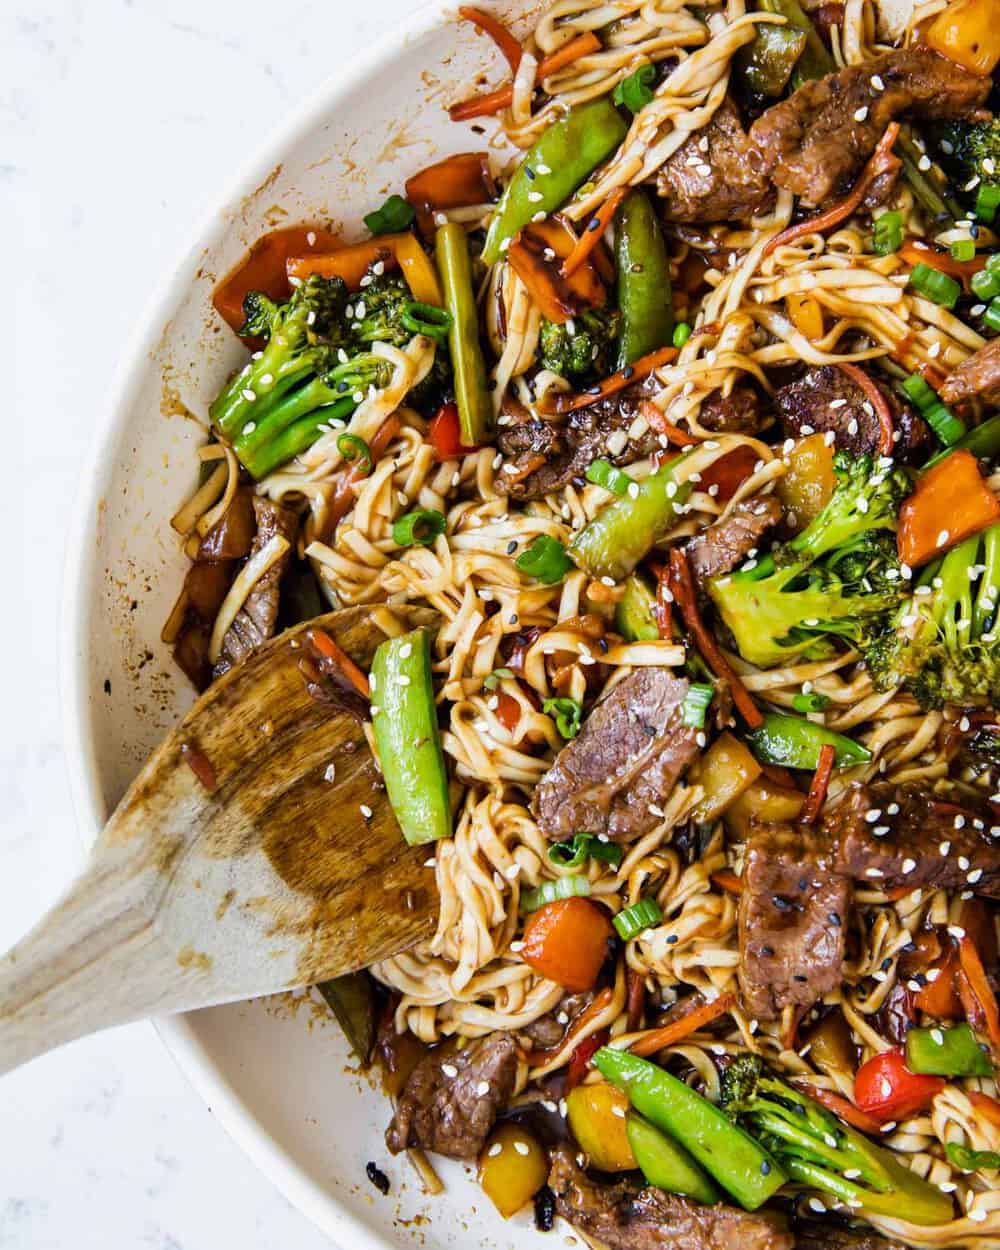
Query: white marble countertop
<point x="119" y="121"/>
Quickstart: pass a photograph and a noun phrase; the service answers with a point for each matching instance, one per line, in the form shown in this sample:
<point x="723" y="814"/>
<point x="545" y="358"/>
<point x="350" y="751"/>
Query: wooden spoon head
<point x="291" y="868"/>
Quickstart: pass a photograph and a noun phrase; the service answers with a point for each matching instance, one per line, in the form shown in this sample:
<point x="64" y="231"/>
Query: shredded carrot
<point x="979" y="983"/>
<point x="882" y="162"/>
<point x="526" y="469"/>
<point x="657" y="421"/>
<point x="677" y="1030"/>
<point x="844" y="1108"/>
<point x="682" y="585"/>
<point x="986" y="1105"/>
<point x="816" y="797"/>
<point x="727" y="880"/>
<point x="877" y="400"/>
<point x="593" y="232"/>
<point x="644" y="366"/>
<point x="915" y="252"/>
<point x="330" y="650"/>
<point x="635" y="999"/>
<point x="497" y="31"/>
<point x="492" y="102"/>
<point x="603" y="1000"/>
<point x="951" y="502"/>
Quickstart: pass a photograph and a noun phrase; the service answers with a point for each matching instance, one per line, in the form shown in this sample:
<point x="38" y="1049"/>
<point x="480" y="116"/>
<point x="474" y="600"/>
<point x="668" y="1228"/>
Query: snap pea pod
<point x="560" y="161"/>
<point x="665" y="1164"/>
<point x="946" y="1052"/>
<point x="614" y="542"/>
<point x="404" y="720"/>
<point x="475" y="407"/>
<point x="634" y="618"/>
<point x="728" y="1153"/>
<point x="643" y="270"/>
<point x="814" y="60"/>
<point x="792" y="742"/>
<point x="766" y="63"/>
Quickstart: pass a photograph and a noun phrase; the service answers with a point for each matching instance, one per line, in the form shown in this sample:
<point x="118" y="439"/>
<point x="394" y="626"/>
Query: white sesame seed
<point x="366" y="811"/>
<point x="942" y="538"/>
<point x="521" y="1147"/>
<point x="449" y="1070"/>
<point x="861" y="113"/>
<point x="944" y="848"/>
<point x="495" y="1149"/>
<point x="483" y="1088"/>
<point x="974" y="876"/>
<point x="873" y="814"/>
<point x="249" y="395"/>
<point x="879" y="85"/>
<point x="909" y="865"/>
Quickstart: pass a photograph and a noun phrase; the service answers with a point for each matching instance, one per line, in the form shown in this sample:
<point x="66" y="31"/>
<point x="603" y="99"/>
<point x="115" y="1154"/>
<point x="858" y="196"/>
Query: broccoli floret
<point x="839" y="576"/>
<point x="819" y="1150"/>
<point x="942" y="644"/>
<point x="970" y="152"/>
<point x="582" y="347"/>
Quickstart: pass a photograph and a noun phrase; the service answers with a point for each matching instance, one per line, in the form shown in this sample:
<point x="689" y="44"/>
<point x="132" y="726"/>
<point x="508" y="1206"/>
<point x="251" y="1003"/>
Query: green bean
<point x="475" y="407"/>
<point x="643" y="267"/>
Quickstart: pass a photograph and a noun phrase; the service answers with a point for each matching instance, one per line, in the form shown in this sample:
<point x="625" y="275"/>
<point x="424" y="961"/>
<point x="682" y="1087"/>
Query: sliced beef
<point x="739" y="412"/>
<point x="825" y="399"/>
<point x="828" y="1237"/>
<point x="792" y="917"/>
<point x="817" y="141"/>
<point x="599" y="430"/>
<point x="716" y="175"/>
<point x="890" y="836"/>
<point x="256" y="620"/>
<point x="625" y="1218"/>
<point x="452" y="1099"/>
<point x="726" y="543"/>
<point x="976" y="377"/>
<point x="549" y="1030"/>
<point x="614" y="777"/>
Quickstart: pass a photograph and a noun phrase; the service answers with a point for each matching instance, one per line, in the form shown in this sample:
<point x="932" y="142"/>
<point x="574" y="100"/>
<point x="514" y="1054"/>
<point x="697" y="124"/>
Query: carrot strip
<point x="492" y="102"/>
<point x="682" y="585"/>
<point x="644" y="366"/>
<point x="973" y="968"/>
<point x="593" y="232"/>
<point x="636" y="998"/>
<point x="497" y="31"/>
<point x="727" y="880"/>
<point x="816" y="797"/>
<point x="916" y="254"/>
<point x="537" y="1058"/>
<point x="882" y="162"/>
<point x="677" y="1030"/>
<point x="330" y="650"/>
<point x="877" y="400"/>
<point x="986" y="1105"/>
<point x="657" y="421"/>
<point x="844" y="1108"/>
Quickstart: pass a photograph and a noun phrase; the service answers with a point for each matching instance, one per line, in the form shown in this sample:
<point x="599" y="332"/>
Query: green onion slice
<point x="355" y="449"/>
<point x="394" y="215"/>
<point x="553" y="891"/>
<point x="545" y="559"/>
<point x="637" y="918"/>
<point x="682" y="332"/>
<point x="888" y="233"/>
<point x="695" y="705"/>
<point x="636" y="91"/>
<point x="425" y="319"/>
<point x="985" y="283"/>
<point x="987" y="202"/>
<point x="969" y="1160"/>
<point x="419" y="527"/>
<point x="604" y="473"/>
<point x="811" y="702"/>
<point x="492" y="680"/>
<point x="583" y="847"/>
<point x="992" y="315"/>
<point x="963" y="249"/>
<point x="567" y="714"/>
<point x="935" y="285"/>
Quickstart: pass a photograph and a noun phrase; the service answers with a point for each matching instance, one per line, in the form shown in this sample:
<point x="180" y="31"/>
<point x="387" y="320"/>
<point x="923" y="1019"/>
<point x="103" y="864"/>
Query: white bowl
<point x="277" y="1078"/>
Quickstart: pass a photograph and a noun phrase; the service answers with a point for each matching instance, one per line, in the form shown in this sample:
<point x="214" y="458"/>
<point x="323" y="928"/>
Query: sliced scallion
<point x="695" y="705"/>
<point x="963" y="249"/>
<point x="985" y="283"/>
<point x="938" y="416"/>
<point x="682" y="332"/>
<point x="887" y="234"/>
<point x="566" y="713"/>
<point x="583" y="847"/>
<point x="811" y="702"/>
<point x="355" y="449"/>
<point x="634" y="920"/>
<point x="545" y="559"/>
<point x="992" y="314"/>
<point x="553" y="891"/>
<point x="935" y="285"/>
<point x="425" y="319"/>
<point x="418" y="528"/>
<point x="604" y="473"/>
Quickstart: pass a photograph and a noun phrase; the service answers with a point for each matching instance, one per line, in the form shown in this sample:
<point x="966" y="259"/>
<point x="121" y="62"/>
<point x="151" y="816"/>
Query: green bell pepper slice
<point x="666" y="1164"/>
<point x="635" y="619"/>
<point x="947" y="1052"/>
<point x="642" y="265"/>
<point x="729" y="1154"/>
<point x="404" y="720"/>
<point x="814" y="60"/>
<point x="793" y="742"/>
<point x="766" y="64"/>
<point x="561" y="160"/>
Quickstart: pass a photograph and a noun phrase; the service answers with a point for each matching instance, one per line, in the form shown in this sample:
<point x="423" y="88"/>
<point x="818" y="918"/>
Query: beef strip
<point x="628" y="756"/>
<point x="978" y="376"/>
<point x="739" y="412"/>
<point x="715" y="175"/>
<point x="599" y="430"/>
<point x="549" y="1030"/>
<point x="829" y="1237"/>
<point x="814" y="143"/>
<point x="890" y="836"/>
<point x="725" y="543"/>
<point x="825" y="398"/>
<point x="256" y="620"/>
<point x="625" y="1218"/>
<point x="452" y="1099"/>
<point x="792" y="917"/>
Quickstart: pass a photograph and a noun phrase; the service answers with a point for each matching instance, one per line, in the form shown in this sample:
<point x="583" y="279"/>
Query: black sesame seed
<point x="672" y="939"/>
<point x="767" y="951"/>
<point x="594" y="223"/>
<point x="628" y="372"/>
<point x="512" y="546"/>
<point x="377" y="1177"/>
<point x="529" y="173"/>
<point x="602" y="645"/>
<point x="834" y="918"/>
<point x="765" y="1168"/>
<point x="545" y="1209"/>
<point x="799" y="977"/>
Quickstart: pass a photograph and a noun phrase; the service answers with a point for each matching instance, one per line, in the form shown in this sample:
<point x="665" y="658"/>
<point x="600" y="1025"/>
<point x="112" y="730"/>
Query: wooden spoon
<point x="286" y="868"/>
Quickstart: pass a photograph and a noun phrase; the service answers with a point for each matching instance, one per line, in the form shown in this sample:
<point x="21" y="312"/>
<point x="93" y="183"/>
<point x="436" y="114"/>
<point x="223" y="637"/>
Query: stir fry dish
<point x="680" y="409"/>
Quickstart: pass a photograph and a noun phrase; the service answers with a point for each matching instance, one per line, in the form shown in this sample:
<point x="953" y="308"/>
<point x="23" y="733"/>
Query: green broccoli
<point x="819" y="1150"/>
<point x="839" y="576"/>
<point x="970" y="152"/>
<point x="942" y="643"/>
<point x="583" y="347"/>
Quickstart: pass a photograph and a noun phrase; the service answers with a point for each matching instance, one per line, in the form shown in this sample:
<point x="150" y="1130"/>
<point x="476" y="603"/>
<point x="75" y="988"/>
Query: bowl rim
<point x="206" y="1077"/>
